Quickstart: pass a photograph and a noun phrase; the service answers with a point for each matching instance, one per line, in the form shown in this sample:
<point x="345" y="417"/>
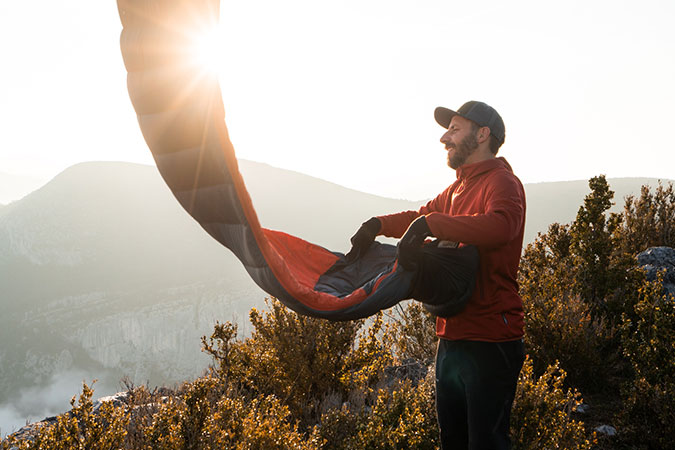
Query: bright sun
<point x="206" y="49"/>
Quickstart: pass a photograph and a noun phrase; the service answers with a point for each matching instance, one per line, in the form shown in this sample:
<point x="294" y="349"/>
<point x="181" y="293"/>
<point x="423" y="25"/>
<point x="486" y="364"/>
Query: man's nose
<point x="445" y="137"/>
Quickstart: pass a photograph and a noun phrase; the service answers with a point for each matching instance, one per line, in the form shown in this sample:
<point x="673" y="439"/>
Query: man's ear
<point x="483" y="134"/>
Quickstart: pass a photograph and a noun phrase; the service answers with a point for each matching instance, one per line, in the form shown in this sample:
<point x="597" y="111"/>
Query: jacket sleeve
<point x="500" y="223"/>
<point x="395" y="225"/>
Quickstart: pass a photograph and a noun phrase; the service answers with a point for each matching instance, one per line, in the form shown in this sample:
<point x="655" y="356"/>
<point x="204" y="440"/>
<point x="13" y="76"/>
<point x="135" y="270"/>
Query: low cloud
<point x="36" y="403"/>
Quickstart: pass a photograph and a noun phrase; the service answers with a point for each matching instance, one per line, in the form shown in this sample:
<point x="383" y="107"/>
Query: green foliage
<point x="81" y="428"/>
<point x="208" y="417"/>
<point x="577" y="284"/>
<point x="306" y="354"/>
<point x="583" y="259"/>
<point x="259" y="424"/>
<point x="355" y="407"/>
<point x="649" y="345"/>
<point x="587" y="258"/>
<point x="547" y="267"/>
<point x="566" y="277"/>
<point x="646" y="419"/>
<point x="593" y="245"/>
<point x="561" y="330"/>
<point x="400" y="419"/>
<point x="222" y="346"/>
<point x="412" y="333"/>
<point x="166" y="430"/>
<point x="588" y="307"/>
<point x="649" y="220"/>
<point x="292" y="357"/>
<point x="559" y="325"/>
<point x="338" y="426"/>
<point x="366" y="362"/>
<point x="649" y="340"/>
<point x="542" y="412"/>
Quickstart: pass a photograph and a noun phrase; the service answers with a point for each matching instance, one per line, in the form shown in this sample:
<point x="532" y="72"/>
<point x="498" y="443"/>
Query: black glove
<point x="364" y="236"/>
<point x="409" y="245"/>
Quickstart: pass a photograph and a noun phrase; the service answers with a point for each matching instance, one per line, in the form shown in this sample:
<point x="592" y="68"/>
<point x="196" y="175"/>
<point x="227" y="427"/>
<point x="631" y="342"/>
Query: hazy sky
<point x="345" y="90"/>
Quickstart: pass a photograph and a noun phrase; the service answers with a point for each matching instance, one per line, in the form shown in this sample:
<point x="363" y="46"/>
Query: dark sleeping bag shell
<point x="445" y="278"/>
<point x="181" y="114"/>
<point x="443" y="281"/>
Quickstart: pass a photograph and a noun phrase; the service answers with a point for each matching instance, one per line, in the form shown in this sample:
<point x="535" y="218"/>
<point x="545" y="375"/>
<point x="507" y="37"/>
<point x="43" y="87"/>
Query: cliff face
<point x="158" y="341"/>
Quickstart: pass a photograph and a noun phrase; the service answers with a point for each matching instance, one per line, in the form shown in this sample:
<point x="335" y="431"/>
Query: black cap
<point x="483" y="114"/>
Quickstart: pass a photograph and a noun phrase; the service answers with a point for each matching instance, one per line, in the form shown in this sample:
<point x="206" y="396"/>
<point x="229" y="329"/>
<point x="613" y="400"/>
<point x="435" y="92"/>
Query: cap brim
<point x="444" y="116"/>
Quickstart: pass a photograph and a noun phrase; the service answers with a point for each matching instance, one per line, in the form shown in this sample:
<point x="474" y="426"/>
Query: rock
<point x="29" y="432"/>
<point x="119" y="399"/>
<point x="582" y="409"/>
<point x="658" y="259"/>
<point x="607" y="430"/>
<point x="409" y="369"/>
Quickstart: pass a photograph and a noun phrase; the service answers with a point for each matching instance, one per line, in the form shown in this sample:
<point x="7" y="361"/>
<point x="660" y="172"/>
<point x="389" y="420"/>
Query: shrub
<point x="338" y="426"/>
<point x="411" y="333"/>
<point x="594" y="246"/>
<point x="542" y="412"/>
<point x="561" y="330"/>
<point x="357" y="408"/>
<point x="206" y="416"/>
<point x="401" y="419"/>
<point x="166" y="430"/>
<point x="364" y="365"/>
<point x="576" y="283"/>
<point x="81" y="428"/>
<point x="263" y="423"/>
<point x="649" y="220"/>
<point x="299" y="360"/>
<point x="649" y="397"/>
<point x="547" y="267"/>
<point x="648" y="339"/>
<point x="584" y="259"/>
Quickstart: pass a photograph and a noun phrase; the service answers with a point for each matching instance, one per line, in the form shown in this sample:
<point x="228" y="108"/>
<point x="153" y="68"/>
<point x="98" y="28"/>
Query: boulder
<point x="659" y="259"/>
<point x="607" y="430"/>
<point x="409" y="369"/>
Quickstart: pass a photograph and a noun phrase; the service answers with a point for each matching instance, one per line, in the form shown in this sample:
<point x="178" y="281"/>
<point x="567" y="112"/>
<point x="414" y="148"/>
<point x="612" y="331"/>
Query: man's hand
<point x="411" y="242"/>
<point x="364" y="236"/>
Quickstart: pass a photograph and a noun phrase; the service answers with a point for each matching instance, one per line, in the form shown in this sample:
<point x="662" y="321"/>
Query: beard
<point x="463" y="150"/>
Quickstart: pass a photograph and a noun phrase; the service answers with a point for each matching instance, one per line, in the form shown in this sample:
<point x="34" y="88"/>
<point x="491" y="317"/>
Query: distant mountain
<point x="560" y="201"/>
<point x="103" y="273"/>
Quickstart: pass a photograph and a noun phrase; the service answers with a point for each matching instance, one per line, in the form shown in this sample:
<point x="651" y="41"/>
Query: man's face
<point x="460" y="141"/>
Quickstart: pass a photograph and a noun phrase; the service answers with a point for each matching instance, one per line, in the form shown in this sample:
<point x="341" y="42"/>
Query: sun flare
<point x="206" y="49"/>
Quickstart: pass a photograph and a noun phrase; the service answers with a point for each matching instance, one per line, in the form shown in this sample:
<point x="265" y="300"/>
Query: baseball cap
<point x="481" y="113"/>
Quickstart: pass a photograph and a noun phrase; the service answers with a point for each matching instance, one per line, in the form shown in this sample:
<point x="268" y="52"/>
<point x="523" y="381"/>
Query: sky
<point x="345" y="90"/>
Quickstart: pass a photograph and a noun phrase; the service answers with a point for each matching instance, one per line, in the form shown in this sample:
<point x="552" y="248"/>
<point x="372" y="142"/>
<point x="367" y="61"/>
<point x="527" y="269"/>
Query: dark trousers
<point x="475" y="387"/>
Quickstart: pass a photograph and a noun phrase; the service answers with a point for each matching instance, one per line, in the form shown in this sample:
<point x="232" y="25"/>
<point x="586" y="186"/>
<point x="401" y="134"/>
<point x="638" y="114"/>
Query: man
<point x="480" y="350"/>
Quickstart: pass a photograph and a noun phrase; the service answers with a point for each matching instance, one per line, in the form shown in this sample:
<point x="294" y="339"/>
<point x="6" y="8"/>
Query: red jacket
<point x="485" y="207"/>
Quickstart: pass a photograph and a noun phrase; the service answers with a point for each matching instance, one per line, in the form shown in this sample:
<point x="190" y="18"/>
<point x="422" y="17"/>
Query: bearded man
<point x="480" y="350"/>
